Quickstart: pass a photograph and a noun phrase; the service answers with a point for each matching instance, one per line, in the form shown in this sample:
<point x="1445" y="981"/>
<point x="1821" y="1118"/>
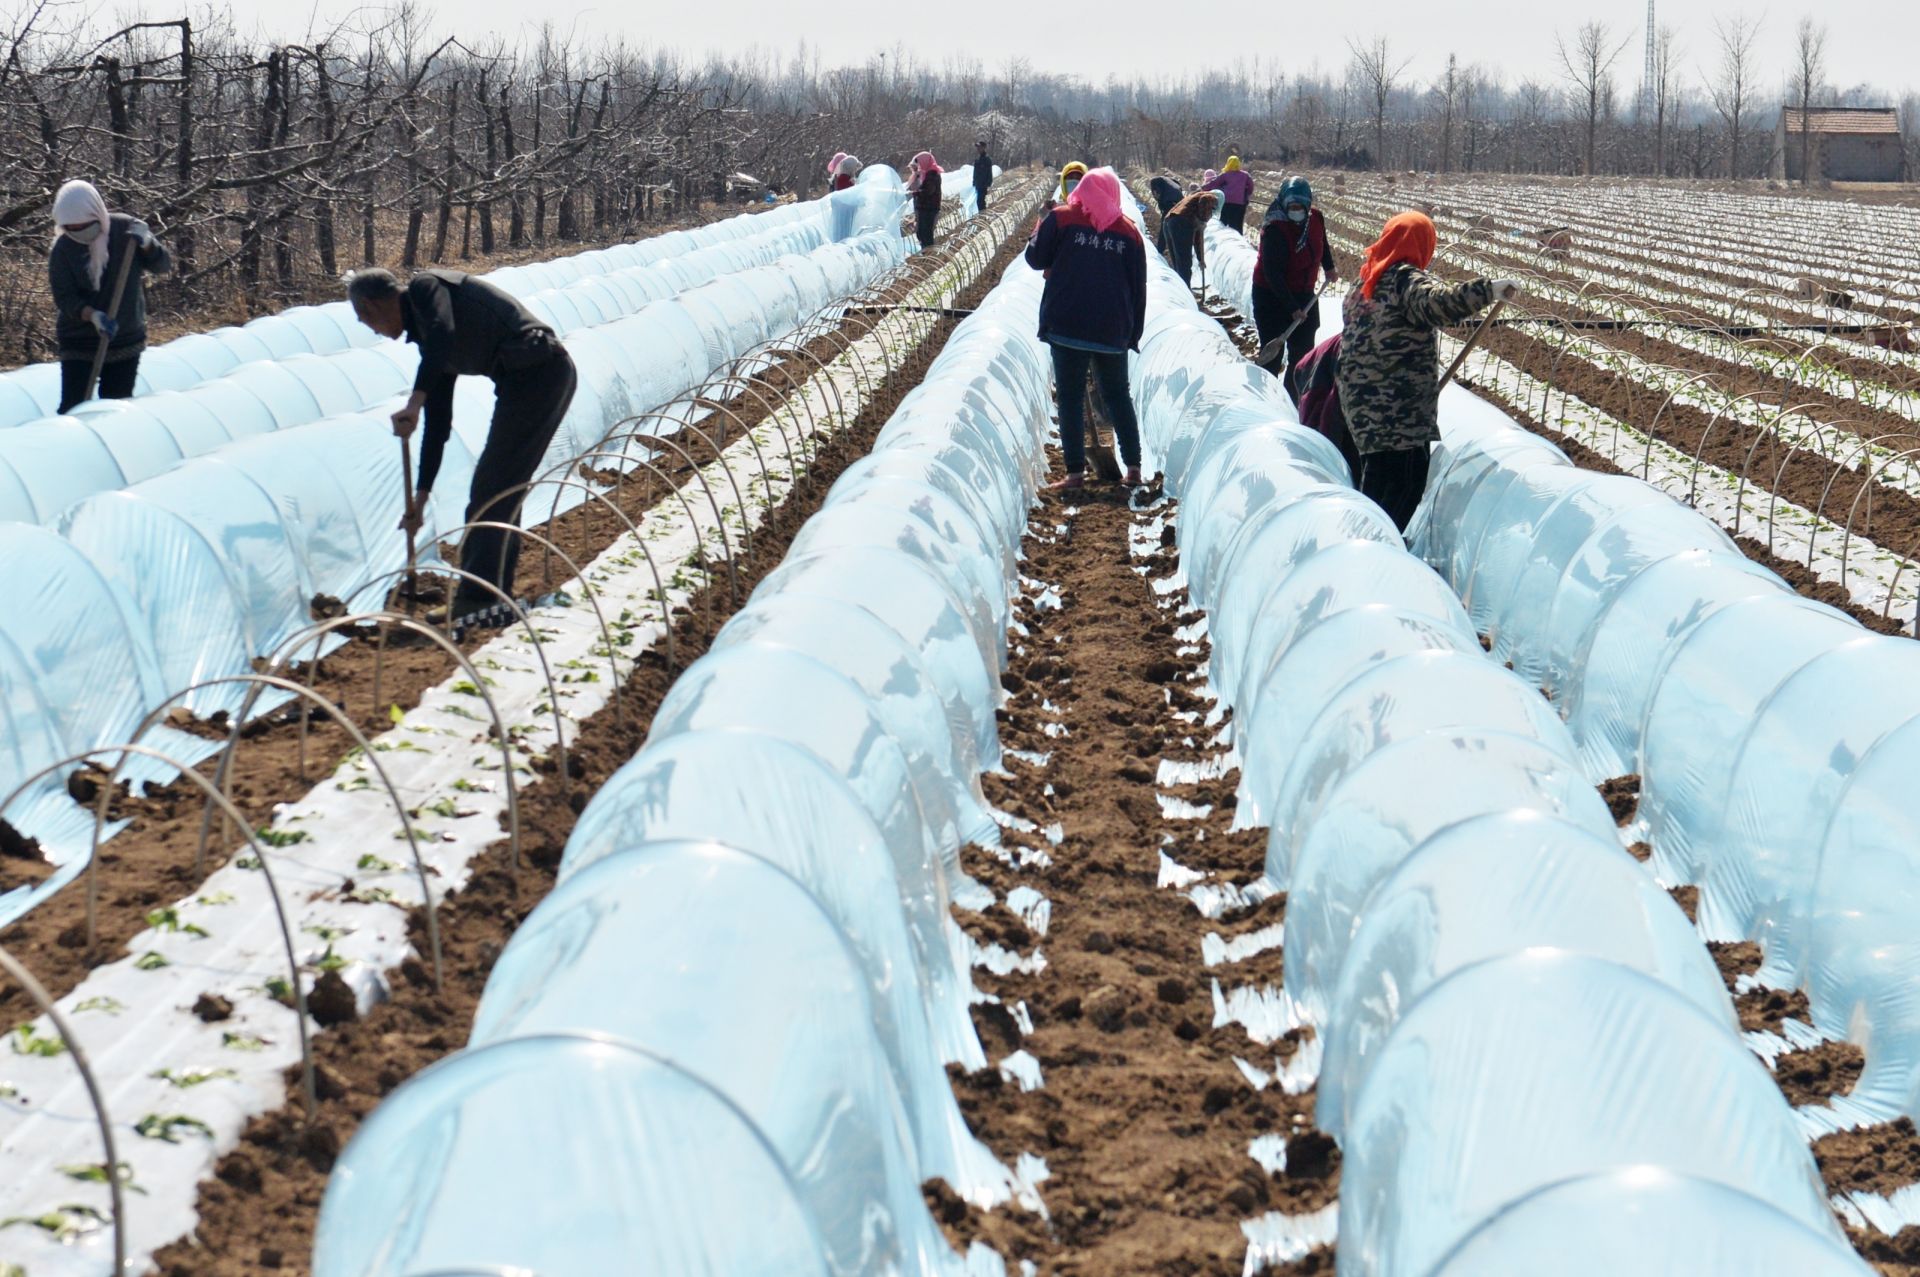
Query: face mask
<point x="1071" y="183"/>
<point x="86" y="234"/>
<point x="1296" y="215"/>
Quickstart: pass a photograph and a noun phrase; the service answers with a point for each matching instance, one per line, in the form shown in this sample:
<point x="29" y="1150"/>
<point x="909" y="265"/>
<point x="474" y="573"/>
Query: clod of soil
<point x="331" y="1001"/>
<point x="211" y="1008"/>
<point x="1817" y="1075"/>
<point x="1873" y="1159"/>
<point x="1622" y="796"/>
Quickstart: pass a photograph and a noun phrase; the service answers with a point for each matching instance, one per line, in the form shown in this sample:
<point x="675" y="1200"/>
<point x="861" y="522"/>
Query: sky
<point x="1869" y="41"/>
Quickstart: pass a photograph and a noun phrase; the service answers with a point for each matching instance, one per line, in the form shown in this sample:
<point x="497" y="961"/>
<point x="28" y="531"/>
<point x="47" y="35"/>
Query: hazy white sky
<point x="1869" y="41"/>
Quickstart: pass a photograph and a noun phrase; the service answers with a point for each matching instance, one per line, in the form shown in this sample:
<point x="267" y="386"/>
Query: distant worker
<point x="1166" y="193"/>
<point x="1389" y="379"/>
<point x="1092" y="312"/>
<point x="1236" y="190"/>
<point x="465" y="326"/>
<point x="833" y="166"/>
<point x="982" y="174"/>
<point x="846" y="170"/>
<point x="89" y="248"/>
<point x="1185" y="230"/>
<point x="1069" y="178"/>
<point x="1293" y="253"/>
<point x="924" y="186"/>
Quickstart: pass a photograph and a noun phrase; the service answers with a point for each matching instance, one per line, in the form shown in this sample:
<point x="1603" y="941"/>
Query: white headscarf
<point x="77" y="202"/>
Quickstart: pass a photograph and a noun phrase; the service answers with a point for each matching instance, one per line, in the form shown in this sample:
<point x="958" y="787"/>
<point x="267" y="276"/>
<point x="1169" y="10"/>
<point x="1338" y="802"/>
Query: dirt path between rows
<point x="1142" y="1117"/>
<point x="259" y="1212"/>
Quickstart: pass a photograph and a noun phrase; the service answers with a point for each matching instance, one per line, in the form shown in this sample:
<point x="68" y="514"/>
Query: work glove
<point x="142" y="234"/>
<point x="1506" y="289"/>
<point x="102" y="325"/>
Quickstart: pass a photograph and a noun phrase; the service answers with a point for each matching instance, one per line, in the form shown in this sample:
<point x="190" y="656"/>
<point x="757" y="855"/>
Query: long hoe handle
<point x="406" y="504"/>
<point x="1473" y="341"/>
<point x="1271" y="351"/>
<point x="113" y="308"/>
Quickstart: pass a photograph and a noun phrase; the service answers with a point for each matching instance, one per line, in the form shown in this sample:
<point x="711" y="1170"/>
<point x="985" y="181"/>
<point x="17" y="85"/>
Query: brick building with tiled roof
<point x="1849" y="144"/>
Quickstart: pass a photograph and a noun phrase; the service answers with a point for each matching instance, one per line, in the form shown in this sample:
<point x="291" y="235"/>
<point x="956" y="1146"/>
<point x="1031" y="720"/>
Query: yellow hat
<point x="1233" y="164"/>
<point x="1074" y="169"/>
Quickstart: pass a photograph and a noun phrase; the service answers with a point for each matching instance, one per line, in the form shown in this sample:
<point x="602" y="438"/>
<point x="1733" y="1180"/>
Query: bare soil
<point x="258" y="1212"/>
<point x="1143" y="1119"/>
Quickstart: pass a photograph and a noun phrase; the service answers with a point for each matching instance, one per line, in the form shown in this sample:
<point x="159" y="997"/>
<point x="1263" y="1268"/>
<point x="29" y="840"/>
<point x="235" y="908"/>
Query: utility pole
<point x="1647" y="75"/>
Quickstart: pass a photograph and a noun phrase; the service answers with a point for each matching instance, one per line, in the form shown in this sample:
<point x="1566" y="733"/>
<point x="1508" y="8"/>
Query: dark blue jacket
<point x="1096" y="280"/>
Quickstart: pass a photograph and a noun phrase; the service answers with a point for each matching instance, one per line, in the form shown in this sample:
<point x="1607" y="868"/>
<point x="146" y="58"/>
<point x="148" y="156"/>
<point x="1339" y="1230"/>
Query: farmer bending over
<point x="1185" y="230"/>
<point x="467" y="327"/>
<point x="1390" y="356"/>
<point x="90" y="247"/>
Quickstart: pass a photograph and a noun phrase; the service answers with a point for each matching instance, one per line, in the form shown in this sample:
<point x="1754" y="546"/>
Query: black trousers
<point x="1233" y="216"/>
<point x="528" y="406"/>
<point x="116" y="380"/>
<point x="980" y="197"/>
<point x="1272" y="312"/>
<point x="1178" y="232"/>
<point x="1396" y="481"/>
<point x="1070" y="367"/>
<point x="923" y="224"/>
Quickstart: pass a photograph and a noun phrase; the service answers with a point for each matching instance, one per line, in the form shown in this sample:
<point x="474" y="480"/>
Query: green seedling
<point x="151" y="962"/>
<point x="26" y="1041"/>
<point x="63" y="1223"/>
<point x="186" y="1079"/>
<point x="246" y="862"/>
<point x="96" y="1173"/>
<point x="281" y="837"/>
<point x="112" y="1006"/>
<point x="168" y="920"/>
<point x="169" y="1127"/>
<point x="217" y="898"/>
<point x="234" y="1041"/>
<point x="370" y="863"/>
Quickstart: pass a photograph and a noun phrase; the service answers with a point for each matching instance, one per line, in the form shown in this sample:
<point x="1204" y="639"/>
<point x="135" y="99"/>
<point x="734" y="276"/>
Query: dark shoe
<point x="1074" y="482"/>
<point x="1133" y="479"/>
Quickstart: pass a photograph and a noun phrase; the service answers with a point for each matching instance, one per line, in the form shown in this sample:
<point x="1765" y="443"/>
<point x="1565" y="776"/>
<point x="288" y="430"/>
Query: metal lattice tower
<point x="1647" y="76"/>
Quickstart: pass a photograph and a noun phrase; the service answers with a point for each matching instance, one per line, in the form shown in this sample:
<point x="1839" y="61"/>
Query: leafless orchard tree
<point x="1377" y="74"/>
<point x="1809" y="69"/>
<point x="1587" y="66"/>
<point x="1732" y="91"/>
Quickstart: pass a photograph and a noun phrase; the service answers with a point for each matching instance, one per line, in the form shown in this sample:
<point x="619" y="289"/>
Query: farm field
<point x="860" y="858"/>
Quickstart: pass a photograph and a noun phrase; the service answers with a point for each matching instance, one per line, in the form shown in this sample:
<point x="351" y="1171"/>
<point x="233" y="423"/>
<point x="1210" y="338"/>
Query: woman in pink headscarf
<point x="924" y="186"/>
<point x="1092" y="312"/>
<point x="89" y="245"/>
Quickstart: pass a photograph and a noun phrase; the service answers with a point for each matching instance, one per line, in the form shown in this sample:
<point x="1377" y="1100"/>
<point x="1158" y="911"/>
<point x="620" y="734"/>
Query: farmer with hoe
<point x="982" y="174"/>
<point x="1293" y="254"/>
<point x="1092" y="312"/>
<point x="94" y="268"/>
<point x="1166" y="193"/>
<point x="1389" y="378"/>
<point x="1185" y="230"/>
<point x="924" y="186"/>
<point x="465" y="326"/>
<point x="1236" y="191"/>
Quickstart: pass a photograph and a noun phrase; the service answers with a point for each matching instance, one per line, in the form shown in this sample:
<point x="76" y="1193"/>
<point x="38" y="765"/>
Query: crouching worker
<point x="1389" y="378"/>
<point x="90" y="250"/>
<point x="1092" y="312"/>
<point x="465" y="326"/>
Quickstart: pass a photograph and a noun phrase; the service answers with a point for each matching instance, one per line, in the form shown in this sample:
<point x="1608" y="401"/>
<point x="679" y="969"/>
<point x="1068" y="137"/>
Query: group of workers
<point x="923" y="184"/>
<point x="1092" y="313"/>
<point x="1380" y="375"/>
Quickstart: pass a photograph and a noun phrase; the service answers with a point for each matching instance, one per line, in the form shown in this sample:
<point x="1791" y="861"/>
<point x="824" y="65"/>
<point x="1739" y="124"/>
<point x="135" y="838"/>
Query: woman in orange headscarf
<point x="1390" y="359"/>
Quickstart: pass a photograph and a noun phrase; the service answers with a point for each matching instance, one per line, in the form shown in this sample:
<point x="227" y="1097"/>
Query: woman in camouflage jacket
<point x="1390" y="355"/>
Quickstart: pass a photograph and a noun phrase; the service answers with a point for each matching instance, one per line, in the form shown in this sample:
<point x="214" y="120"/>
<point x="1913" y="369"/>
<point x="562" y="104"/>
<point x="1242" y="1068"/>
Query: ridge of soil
<point x="259" y="1210"/>
<point x="1143" y="1119"/>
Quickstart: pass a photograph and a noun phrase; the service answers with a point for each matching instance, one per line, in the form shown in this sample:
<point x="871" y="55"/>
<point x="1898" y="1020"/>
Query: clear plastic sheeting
<point x="1485" y="888"/>
<point x="775" y="868"/>
<point x="1650" y="1222"/>
<point x="799" y="1026"/>
<point x="1519" y="1073"/>
<point x="1387" y="807"/>
<point x="614" y="1160"/>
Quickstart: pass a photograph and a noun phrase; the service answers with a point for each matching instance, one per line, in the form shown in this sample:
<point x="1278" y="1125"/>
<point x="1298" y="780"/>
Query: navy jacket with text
<point x="1096" y="280"/>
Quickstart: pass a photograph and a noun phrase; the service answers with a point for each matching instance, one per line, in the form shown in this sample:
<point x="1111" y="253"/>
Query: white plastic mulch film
<point x="176" y="537"/>
<point x="1776" y="738"/>
<point x="1484" y="966"/>
<point x="747" y="981"/>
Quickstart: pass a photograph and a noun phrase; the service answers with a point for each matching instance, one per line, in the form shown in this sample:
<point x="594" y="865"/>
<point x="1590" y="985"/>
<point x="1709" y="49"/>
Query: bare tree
<point x="1588" y="67"/>
<point x="1809" y="68"/>
<point x="1732" y="91"/>
<point x="1666" y="88"/>
<point x="1377" y="75"/>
